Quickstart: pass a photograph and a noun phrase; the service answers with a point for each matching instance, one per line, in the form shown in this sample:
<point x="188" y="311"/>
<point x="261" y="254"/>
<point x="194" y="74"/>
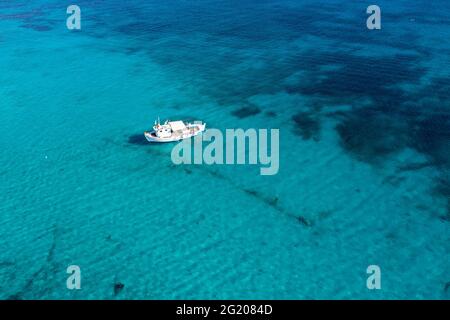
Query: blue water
<point x="364" y="150"/>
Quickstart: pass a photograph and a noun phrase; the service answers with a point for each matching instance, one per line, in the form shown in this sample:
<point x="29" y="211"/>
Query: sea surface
<point x="364" y="178"/>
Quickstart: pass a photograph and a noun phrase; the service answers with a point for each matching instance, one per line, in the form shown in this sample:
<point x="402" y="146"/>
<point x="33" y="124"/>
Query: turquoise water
<point x="364" y="150"/>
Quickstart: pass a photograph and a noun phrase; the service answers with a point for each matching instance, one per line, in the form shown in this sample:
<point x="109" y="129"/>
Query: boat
<point x="172" y="131"/>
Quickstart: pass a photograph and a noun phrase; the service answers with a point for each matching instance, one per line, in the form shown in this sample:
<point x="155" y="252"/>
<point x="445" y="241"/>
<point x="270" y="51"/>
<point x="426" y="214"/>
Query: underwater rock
<point x="132" y="50"/>
<point x="414" y="166"/>
<point x="273" y="201"/>
<point x="442" y="189"/>
<point x="371" y="136"/>
<point x="448" y="209"/>
<point x="446" y="216"/>
<point x="307" y="125"/>
<point x="16" y="296"/>
<point x="269" y="201"/>
<point x="353" y="76"/>
<point x="393" y="180"/>
<point x="304" y="221"/>
<point x="432" y="137"/>
<point x="447" y="287"/>
<point x="251" y="192"/>
<point x="36" y="27"/>
<point x="118" y="287"/>
<point x="270" y="114"/>
<point x="6" y="264"/>
<point x="245" y="112"/>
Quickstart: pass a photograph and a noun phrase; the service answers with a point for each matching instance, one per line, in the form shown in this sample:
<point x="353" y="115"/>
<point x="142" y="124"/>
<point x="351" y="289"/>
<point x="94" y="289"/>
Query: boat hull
<point x="151" y="136"/>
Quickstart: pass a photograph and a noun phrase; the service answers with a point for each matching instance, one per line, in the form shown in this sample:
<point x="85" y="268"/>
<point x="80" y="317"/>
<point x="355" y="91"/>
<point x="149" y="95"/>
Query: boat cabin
<point x="167" y="129"/>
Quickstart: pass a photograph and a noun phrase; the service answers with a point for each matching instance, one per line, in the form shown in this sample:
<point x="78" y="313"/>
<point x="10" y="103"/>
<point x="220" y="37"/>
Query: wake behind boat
<point x="174" y="131"/>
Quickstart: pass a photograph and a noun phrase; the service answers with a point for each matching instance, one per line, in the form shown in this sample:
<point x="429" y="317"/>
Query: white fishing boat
<point x="174" y="131"/>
